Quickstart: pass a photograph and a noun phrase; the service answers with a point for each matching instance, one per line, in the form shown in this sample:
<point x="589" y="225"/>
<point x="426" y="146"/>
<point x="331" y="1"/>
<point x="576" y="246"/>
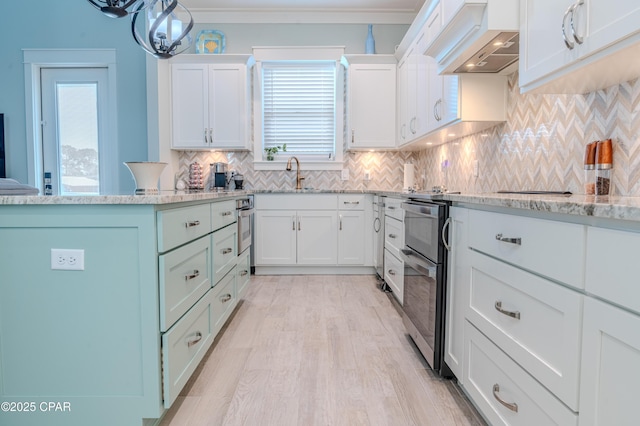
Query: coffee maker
<point x="218" y="176"/>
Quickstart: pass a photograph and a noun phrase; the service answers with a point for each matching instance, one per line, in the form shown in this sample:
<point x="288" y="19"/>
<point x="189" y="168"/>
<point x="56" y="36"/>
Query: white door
<point x="458" y="276"/>
<point x="227" y="109"/>
<point x="317" y="237"/>
<point x="190" y="106"/>
<point x="275" y="237"/>
<point x="351" y="237"/>
<point x="74" y="131"/>
<point x="610" y="365"/>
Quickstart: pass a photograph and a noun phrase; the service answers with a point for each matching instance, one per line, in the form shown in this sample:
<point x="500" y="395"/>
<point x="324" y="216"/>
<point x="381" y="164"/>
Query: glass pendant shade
<point x="114" y="8"/>
<point x="162" y="33"/>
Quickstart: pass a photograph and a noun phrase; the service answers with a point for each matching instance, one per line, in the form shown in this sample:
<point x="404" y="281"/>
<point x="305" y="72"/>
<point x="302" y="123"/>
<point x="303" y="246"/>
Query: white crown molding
<point x="307" y="16"/>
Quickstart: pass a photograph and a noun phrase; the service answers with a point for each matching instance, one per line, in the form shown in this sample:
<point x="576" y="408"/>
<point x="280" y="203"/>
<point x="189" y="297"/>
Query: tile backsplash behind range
<point x="540" y="147"/>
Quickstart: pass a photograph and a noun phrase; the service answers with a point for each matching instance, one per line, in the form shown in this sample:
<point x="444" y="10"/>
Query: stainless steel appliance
<point x="378" y="227"/>
<point x="218" y="176"/>
<point x="425" y="268"/>
<point x="244" y="206"/>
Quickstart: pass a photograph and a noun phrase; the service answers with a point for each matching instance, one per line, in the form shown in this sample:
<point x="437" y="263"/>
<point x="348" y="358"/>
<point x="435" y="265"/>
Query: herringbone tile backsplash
<point x="540" y="147"/>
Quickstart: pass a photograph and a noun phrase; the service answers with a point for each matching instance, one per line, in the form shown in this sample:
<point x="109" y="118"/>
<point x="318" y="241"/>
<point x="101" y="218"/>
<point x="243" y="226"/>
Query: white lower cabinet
<point x="504" y="392"/>
<point x="394" y="275"/>
<point x="458" y="274"/>
<point x="317" y="238"/>
<point x="535" y="321"/>
<point x="610" y="365"/>
<point x="312" y="230"/>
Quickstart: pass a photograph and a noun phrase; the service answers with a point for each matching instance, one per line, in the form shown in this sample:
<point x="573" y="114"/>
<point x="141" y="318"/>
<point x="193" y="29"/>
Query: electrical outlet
<point x="345" y="174"/>
<point x="476" y="168"/>
<point x="367" y="176"/>
<point x="67" y="259"/>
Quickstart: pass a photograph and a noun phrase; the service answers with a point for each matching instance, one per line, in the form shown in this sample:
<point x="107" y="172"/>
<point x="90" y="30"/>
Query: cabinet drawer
<point x="224" y="251"/>
<point x="351" y="201"/>
<point x="181" y="225"/>
<point x="542" y="243"/>
<point x="611" y="255"/>
<point x="184" y="278"/>
<point x="224" y="300"/>
<point x="243" y="272"/>
<point x="184" y="346"/>
<point x="545" y="338"/>
<point x="487" y="366"/>
<point x="393" y="235"/>
<point x="223" y="213"/>
<point x="392" y="208"/>
<point x="394" y="275"/>
<point x="296" y="202"/>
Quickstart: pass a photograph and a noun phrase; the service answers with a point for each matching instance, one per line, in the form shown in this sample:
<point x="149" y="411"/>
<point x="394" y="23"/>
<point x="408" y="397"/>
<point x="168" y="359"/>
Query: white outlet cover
<point x="345" y="174"/>
<point x="67" y="259"/>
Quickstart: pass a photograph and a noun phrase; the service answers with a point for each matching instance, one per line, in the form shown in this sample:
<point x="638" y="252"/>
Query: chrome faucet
<point x="298" y="177"/>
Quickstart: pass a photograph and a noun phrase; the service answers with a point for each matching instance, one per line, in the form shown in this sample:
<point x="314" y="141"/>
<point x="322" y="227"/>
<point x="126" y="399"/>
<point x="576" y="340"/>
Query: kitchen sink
<point x="526" y="192"/>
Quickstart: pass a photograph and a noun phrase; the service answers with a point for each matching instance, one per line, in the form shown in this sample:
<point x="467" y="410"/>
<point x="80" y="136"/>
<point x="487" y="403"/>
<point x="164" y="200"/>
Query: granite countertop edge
<point x="610" y="207"/>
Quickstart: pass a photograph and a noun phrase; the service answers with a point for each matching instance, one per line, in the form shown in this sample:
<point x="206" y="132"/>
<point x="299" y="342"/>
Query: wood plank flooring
<point x="317" y="350"/>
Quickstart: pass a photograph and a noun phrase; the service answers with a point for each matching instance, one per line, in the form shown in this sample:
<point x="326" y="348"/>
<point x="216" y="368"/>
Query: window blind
<point x="299" y="107"/>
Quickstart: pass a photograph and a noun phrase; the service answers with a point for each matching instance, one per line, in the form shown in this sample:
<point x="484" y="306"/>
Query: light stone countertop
<point x="612" y="207"/>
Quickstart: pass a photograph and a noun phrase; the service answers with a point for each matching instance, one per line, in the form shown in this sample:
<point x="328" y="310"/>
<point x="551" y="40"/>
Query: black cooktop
<point x="504" y="191"/>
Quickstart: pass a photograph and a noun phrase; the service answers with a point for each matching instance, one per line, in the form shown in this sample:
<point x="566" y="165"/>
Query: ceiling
<point x="304" y="11"/>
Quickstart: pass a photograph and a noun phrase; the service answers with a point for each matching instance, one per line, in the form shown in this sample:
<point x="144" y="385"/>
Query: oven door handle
<point x="245" y="212"/>
<point x="423" y="209"/>
<point x="415" y="261"/>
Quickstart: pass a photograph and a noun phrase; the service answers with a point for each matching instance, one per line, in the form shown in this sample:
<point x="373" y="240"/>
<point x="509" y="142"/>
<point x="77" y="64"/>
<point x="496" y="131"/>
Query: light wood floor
<point x="317" y="350"/>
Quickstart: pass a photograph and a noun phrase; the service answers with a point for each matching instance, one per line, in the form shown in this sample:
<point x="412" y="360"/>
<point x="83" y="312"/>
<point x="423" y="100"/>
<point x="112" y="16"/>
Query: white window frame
<point x="34" y="61"/>
<point x="298" y="53"/>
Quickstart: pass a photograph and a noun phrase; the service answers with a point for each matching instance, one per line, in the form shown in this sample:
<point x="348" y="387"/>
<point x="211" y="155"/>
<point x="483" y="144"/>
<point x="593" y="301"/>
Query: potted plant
<point x="274" y="150"/>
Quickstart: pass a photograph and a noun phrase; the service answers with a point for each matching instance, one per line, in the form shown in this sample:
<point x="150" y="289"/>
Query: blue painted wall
<point x="43" y="24"/>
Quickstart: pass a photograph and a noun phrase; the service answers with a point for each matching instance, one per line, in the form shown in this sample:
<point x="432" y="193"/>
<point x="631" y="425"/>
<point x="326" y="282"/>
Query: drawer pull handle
<point x="512" y="314"/>
<point x="516" y="241"/>
<point x="244" y="273"/>
<point x="193" y="275"/>
<point x="391" y="272"/>
<point x="340" y="216"/>
<point x="351" y="202"/>
<point x="226" y="251"/>
<point x="225" y="298"/>
<point x="391" y="207"/>
<point x="510" y="405"/>
<point x="192" y="223"/>
<point x="393" y="236"/>
<point x="226" y="213"/>
<point x="192" y="342"/>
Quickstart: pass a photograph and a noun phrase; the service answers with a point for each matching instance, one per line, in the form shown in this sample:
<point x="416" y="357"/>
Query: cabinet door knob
<point x="510" y="405"/>
<point x="512" y="314"/>
<point x="225" y="298"/>
<point x="391" y="272"/>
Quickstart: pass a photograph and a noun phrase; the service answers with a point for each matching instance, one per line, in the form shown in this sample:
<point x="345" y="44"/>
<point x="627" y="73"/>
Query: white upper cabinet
<point x="211" y="102"/>
<point x="578" y="46"/>
<point x="371" y="101"/>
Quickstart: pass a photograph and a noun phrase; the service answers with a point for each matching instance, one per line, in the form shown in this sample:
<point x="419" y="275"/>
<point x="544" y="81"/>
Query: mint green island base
<point x="86" y="347"/>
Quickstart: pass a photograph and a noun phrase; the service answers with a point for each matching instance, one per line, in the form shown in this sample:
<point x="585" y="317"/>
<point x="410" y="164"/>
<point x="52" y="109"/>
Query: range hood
<point x="480" y="37"/>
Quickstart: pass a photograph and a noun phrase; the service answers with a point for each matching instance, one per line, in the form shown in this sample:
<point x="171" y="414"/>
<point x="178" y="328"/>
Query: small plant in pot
<point x="274" y="150"/>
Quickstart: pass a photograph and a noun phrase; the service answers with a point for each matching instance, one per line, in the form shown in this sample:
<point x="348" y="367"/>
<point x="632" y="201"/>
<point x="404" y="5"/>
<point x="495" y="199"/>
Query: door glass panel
<point x="77" y="105"/>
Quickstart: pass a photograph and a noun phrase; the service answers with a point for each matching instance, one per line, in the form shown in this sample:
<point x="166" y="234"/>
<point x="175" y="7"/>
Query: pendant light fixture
<point x="161" y="34"/>
<point x="113" y="8"/>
